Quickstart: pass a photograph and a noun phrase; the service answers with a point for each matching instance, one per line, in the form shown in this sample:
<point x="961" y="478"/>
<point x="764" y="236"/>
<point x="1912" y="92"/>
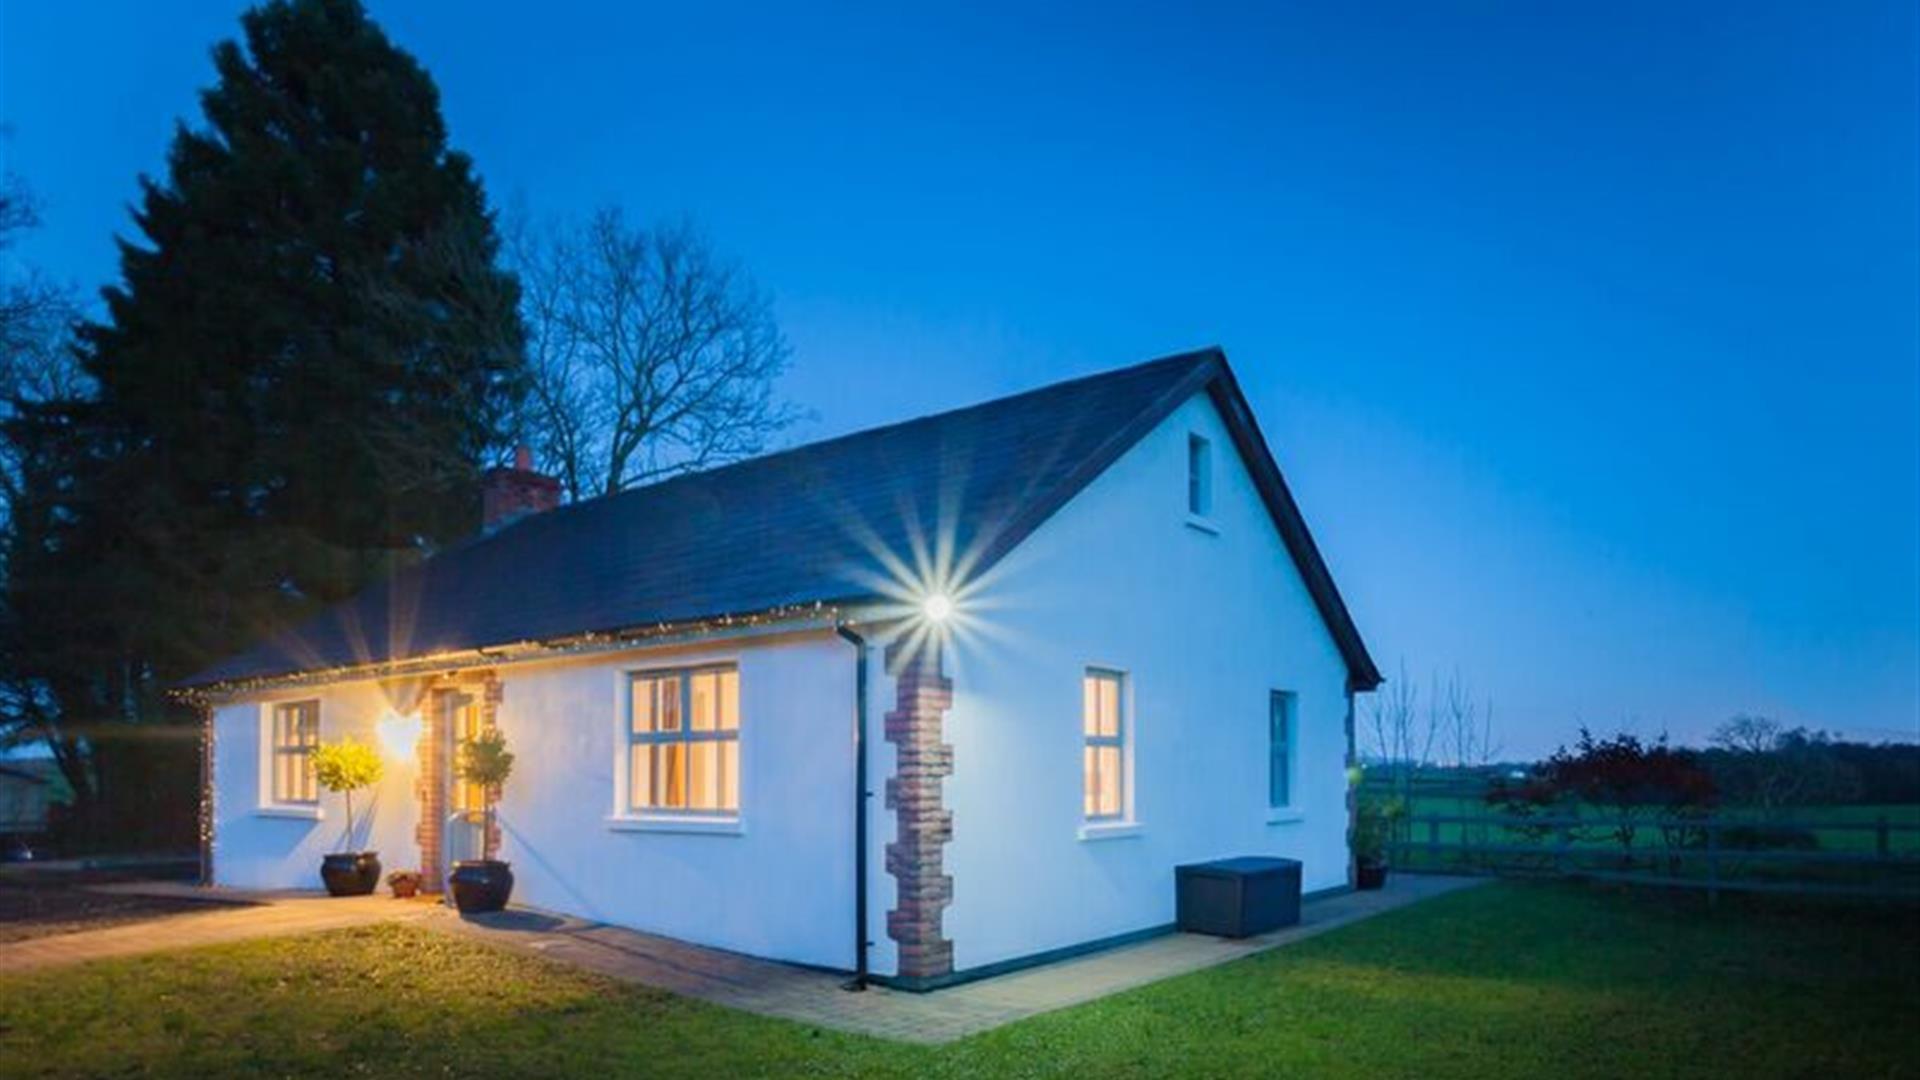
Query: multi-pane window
<point x="1103" y="728"/>
<point x="1199" y="476"/>
<point x="296" y="731"/>
<point x="683" y="741"/>
<point x="1280" y="736"/>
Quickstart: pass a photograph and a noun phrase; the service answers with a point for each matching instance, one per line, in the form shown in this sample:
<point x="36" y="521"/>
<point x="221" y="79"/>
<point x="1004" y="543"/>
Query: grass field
<point x="1512" y="979"/>
<point x="1906" y="815"/>
<point x="1597" y="848"/>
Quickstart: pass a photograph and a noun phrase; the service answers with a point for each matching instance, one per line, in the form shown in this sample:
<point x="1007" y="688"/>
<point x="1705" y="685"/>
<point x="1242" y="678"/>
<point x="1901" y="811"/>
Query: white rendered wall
<point x="1205" y="625"/>
<point x="779" y="886"/>
<point x="259" y="847"/>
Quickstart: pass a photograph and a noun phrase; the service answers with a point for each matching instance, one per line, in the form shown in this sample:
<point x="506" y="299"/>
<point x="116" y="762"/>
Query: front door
<point x="465" y="829"/>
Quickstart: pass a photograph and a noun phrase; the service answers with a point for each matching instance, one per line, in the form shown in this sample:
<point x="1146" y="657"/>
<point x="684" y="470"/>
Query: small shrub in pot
<point x="347" y="766"/>
<point x="484" y="884"/>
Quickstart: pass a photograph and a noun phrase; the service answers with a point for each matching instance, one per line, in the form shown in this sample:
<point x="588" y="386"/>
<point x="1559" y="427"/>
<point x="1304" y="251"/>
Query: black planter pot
<point x="480" y="885"/>
<point x="353" y="873"/>
<point x="1369" y="875"/>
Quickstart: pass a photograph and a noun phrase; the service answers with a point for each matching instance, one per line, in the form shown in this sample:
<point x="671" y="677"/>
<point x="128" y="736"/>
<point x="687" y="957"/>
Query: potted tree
<point x="346" y="767"/>
<point x="484" y="884"/>
<point x="1373" y="827"/>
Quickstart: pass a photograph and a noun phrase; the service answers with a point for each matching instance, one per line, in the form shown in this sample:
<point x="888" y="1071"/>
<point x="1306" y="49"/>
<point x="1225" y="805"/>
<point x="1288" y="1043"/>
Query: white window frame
<point x="627" y="814"/>
<point x="1283" y="735"/>
<point x="1121" y="740"/>
<point x="272" y="801"/>
<point x="1283" y="756"/>
<point x="1199" y="476"/>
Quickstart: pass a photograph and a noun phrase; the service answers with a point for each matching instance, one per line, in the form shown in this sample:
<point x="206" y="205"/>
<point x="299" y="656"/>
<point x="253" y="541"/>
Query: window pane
<point x="705" y="693"/>
<point x="669" y="703"/>
<point x="1090" y="705"/>
<point x="1109" y="802"/>
<point x="730" y="699"/>
<point x="729" y="774"/>
<point x="644" y="692"/>
<point x="703" y="782"/>
<point x="1090" y="782"/>
<point x="639" y="776"/>
<point x="1279" y="793"/>
<point x="670" y="761"/>
<point x="1109" y="705"/>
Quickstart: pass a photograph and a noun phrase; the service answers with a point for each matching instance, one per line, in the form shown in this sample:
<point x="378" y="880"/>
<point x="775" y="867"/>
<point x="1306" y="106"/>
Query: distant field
<point x="1596" y="848"/>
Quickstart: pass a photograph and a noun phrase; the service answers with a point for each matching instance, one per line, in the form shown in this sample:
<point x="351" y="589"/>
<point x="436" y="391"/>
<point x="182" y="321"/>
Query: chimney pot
<point x="509" y="493"/>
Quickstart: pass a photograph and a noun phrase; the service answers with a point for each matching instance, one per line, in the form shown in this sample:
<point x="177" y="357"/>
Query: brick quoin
<point x="923" y="825"/>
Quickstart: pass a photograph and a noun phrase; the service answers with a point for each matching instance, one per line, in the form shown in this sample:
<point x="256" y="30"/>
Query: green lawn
<point x="1509" y="980"/>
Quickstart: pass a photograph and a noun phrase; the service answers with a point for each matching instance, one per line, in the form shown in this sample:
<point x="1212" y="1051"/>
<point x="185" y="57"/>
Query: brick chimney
<point x="508" y="494"/>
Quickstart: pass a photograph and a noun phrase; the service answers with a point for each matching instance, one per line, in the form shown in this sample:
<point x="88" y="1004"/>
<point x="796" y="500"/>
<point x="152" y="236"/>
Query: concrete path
<point x="741" y="982"/>
<point x="816" y="997"/>
<point x="264" y="915"/>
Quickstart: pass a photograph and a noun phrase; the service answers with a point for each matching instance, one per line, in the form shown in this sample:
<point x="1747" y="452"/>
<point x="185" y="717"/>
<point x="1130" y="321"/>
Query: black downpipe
<point x="860" y="797"/>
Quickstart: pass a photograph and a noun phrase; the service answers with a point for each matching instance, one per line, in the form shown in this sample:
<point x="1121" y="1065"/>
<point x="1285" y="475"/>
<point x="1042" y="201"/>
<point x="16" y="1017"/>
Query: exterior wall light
<point x="937" y="607"/>
<point x="399" y="735"/>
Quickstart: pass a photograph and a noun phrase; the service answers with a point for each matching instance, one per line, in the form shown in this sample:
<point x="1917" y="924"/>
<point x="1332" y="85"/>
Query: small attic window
<point x="1199" y="476"/>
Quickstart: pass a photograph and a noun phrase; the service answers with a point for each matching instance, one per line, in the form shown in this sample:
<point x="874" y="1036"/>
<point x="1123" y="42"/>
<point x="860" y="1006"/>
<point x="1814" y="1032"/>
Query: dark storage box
<point x="1237" y="897"/>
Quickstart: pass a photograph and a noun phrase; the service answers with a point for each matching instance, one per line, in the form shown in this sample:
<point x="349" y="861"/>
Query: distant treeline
<point x="1751" y="763"/>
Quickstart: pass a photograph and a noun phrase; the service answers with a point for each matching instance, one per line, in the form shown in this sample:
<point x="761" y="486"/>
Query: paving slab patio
<point x="816" y="997"/>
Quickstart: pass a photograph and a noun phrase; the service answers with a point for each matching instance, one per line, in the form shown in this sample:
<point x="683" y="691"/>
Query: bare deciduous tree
<point x="36" y="323"/>
<point x="650" y="355"/>
<point x="1465" y="723"/>
<point x="1399" y="741"/>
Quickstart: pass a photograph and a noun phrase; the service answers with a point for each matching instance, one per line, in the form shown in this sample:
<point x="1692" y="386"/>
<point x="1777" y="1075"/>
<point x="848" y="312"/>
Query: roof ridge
<point x="1189" y="356"/>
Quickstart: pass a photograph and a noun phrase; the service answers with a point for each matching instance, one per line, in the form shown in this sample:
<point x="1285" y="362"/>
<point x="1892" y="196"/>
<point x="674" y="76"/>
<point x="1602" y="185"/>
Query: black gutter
<point x="860" y="797"/>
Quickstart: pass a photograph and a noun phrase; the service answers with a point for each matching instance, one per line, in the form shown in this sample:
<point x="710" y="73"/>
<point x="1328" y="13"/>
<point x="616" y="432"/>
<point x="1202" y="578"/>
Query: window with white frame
<point x="294" y="732"/>
<point x="683" y="741"/>
<point x="1103" y="727"/>
<point x="1199" y="476"/>
<point x="1280" y="742"/>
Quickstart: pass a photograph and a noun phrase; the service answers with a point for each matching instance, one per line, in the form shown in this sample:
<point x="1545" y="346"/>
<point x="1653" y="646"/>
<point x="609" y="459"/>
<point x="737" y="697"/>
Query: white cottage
<point x="928" y="701"/>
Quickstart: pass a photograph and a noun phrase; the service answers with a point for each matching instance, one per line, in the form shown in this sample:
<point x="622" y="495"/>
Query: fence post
<point x="1880" y="846"/>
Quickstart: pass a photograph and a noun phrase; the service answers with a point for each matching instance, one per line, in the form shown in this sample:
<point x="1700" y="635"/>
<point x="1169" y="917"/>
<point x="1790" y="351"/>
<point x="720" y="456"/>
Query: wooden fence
<point x="1874" y="859"/>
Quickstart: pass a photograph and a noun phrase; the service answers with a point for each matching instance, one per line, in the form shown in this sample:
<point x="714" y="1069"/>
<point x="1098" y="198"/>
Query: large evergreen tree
<point x="310" y="353"/>
<point x="312" y="349"/>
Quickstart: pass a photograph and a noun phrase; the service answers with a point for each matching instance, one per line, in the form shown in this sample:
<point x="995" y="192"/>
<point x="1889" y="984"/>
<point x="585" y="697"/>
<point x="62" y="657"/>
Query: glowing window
<point x="683" y="741"/>
<point x="295" y="732"/>
<point x="1104" y="733"/>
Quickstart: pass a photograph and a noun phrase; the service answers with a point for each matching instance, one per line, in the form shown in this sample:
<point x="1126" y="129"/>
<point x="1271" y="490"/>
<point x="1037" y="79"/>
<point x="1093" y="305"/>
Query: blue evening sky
<point x="1586" y="333"/>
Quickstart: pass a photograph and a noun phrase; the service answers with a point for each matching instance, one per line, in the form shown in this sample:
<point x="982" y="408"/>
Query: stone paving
<point x="762" y="986"/>
<point x="816" y="997"/>
<point x="264" y="915"/>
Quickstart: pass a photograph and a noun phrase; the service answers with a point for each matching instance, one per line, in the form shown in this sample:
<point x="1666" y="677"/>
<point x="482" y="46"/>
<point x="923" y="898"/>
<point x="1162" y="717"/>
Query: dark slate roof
<point x="790" y="529"/>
